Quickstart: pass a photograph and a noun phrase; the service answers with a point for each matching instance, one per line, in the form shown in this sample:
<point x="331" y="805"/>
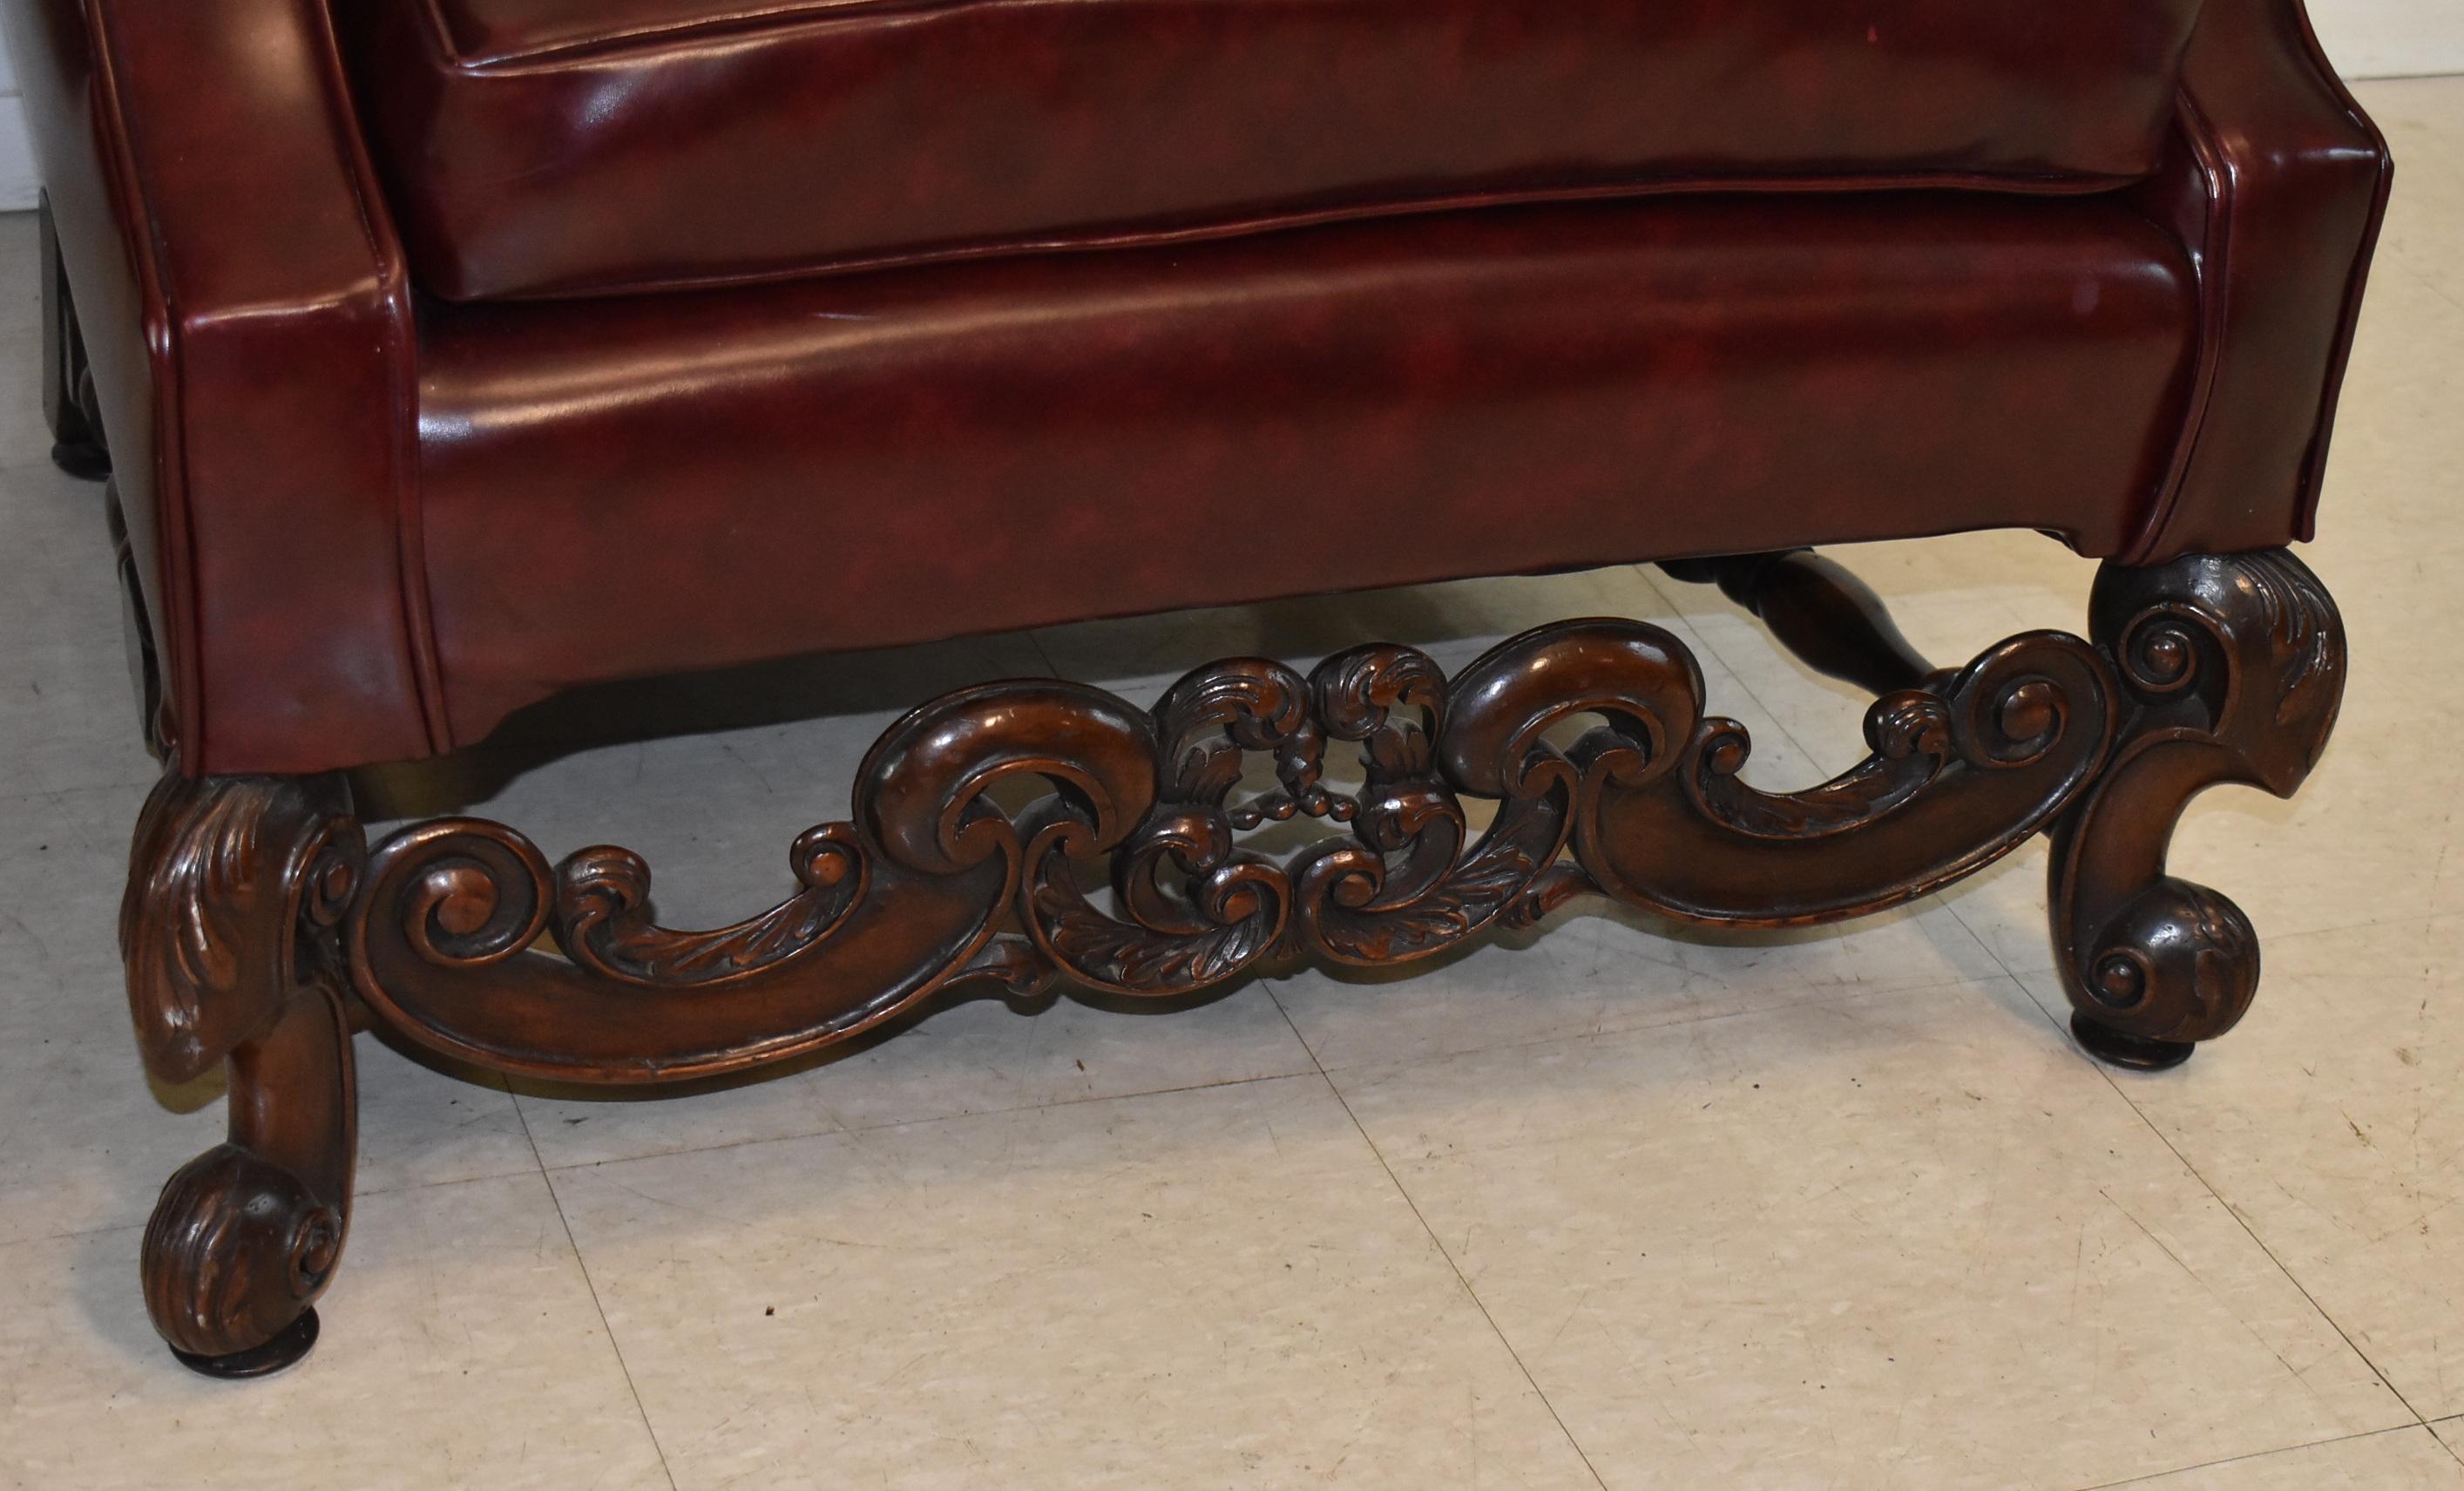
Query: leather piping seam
<point x="2212" y="265"/>
<point x="790" y="15"/>
<point x="2314" y="462"/>
<point x="175" y="558"/>
<point x="1131" y="240"/>
<point x="400" y="356"/>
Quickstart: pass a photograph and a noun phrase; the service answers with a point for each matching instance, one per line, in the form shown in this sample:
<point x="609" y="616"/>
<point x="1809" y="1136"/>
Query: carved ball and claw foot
<point x="230" y="932"/>
<point x="1450" y="805"/>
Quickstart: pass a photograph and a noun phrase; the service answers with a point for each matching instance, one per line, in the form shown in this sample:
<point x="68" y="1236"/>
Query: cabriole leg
<point x="237" y="888"/>
<point x="2232" y="668"/>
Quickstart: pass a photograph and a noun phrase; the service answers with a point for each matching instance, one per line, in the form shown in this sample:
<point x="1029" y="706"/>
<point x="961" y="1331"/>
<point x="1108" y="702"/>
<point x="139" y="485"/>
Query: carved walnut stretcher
<point x="397" y="447"/>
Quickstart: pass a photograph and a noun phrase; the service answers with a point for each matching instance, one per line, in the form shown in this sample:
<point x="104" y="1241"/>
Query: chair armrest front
<point x="248" y="317"/>
<point x="2276" y="183"/>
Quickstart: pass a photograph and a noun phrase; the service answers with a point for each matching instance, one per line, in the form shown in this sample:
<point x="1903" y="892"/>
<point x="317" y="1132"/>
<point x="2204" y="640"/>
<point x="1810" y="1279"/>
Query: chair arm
<point x="2277" y="181"/>
<point x="248" y="317"/>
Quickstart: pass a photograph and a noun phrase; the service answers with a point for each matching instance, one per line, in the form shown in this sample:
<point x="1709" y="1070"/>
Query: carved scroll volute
<point x="1409" y="887"/>
<point x="1209" y="720"/>
<point x="236" y="881"/>
<point x="921" y="792"/>
<point x="1642" y="681"/>
<point x="603" y="919"/>
<point x="1962" y="772"/>
<point x="2235" y="665"/>
<point x="245" y="1237"/>
<point x="1391" y="701"/>
<point x="1192" y="910"/>
<point x="2245" y="650"/>
<point x="889" y="906"/>
<point x="1208" y="724"/>
<point x="1377" y="897"/>
<point x="237" y="886"/>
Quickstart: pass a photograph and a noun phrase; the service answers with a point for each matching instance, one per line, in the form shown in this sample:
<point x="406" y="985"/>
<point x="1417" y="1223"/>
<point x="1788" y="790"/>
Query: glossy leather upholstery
<point x="370" y="520"/>
<point x="544" y="146"/>
<point x="249" y="315"/>
<point x="898" y="456"/>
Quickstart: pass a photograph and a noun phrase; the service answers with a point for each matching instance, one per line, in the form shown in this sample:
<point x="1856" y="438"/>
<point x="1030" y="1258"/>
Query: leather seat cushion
<point x="551" y="147"/>
<point x="684" y="481"/>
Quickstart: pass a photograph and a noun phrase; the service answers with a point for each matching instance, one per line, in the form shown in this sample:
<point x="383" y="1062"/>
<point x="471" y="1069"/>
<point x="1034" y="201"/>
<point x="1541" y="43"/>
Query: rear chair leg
<point x="237" y="888"/>
<point x="1819" y="610"/>
<point x="2234" y="667"/>
<point x="68" y="382"/>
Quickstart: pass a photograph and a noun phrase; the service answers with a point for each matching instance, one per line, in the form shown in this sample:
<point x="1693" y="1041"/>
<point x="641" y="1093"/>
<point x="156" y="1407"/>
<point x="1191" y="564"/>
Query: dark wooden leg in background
<point x="2234" y="668"/>
<point x="236" y="888"/>
<point x="144" y="663"/>
<point x="68" y="383"/>
<point x="1819" y="611"/>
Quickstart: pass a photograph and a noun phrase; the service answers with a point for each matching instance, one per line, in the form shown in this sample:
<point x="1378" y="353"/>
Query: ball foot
<point x="264" y="1361"/>
<point x="2137" y="1053"/>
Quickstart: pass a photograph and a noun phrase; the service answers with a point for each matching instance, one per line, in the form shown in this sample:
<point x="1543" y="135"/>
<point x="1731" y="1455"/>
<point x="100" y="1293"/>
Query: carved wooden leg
<point x="68" y="383"/>
<point x="236" y="888"/>
<point x="2232" y="666"/>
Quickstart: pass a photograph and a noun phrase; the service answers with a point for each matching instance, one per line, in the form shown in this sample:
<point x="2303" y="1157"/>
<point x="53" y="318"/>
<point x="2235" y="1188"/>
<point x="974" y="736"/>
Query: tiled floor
<point x="1601" y="1208"/>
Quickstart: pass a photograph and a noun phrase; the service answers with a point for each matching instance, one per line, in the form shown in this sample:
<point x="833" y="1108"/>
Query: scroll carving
<point x="1014" y="835"/>
<point x="1130" y="871"/>
<point x="2235" y="670"/>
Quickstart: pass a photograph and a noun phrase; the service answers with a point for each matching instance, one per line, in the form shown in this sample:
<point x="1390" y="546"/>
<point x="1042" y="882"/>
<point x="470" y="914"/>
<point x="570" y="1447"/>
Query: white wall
<point x="2391" y="38"/>
<point x="2365" y="38"/>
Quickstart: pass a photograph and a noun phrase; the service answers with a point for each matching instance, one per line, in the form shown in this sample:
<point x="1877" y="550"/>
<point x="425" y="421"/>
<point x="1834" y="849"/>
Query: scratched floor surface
<point x="1602" y="1207"/>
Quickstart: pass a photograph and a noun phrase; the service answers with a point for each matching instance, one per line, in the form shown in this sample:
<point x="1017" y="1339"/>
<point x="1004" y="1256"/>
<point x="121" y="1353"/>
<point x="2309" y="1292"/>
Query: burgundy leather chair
<point x="448" y="353"/>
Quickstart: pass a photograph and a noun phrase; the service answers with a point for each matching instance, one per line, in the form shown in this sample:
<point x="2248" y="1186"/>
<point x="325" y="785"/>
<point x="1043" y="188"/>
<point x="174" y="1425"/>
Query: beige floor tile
<point x="67" y="713"/>
<point x="2423" y="120"/>
<point x="1595" y="968"/>
<point x="2328" y="1120"/>
<point x="1188" y="1289"/>
<point x="979" y="1057"/>
<point x="463" y="1351"/>
<point x="2400" y="1459"/>
<point x="1913" y="1242"/>
<point x="24" y="437"/>
<point x="2450" y="1433"/>
<point x="2323" y="861"/>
